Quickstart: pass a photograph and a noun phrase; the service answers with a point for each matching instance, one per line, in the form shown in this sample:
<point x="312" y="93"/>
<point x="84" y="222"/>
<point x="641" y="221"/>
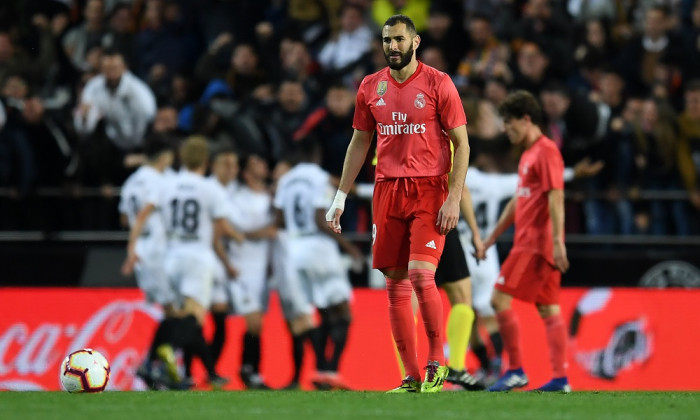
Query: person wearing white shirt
<point x="352" y="42"/>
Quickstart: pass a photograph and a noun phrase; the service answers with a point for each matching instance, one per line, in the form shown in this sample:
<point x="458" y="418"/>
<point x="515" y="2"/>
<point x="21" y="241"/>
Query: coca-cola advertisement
<point x="619" y="339"/>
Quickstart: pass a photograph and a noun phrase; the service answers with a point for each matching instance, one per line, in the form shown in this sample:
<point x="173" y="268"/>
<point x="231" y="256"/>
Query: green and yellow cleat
<point x="434" y="377"/>
<point x="166" y="354"/>
<point x="409" y="384"/>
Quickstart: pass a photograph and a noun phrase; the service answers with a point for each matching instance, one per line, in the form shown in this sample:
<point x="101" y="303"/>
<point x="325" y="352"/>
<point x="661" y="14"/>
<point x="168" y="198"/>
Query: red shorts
<point x="404" y="212"/>
<point x="529" y="277"/>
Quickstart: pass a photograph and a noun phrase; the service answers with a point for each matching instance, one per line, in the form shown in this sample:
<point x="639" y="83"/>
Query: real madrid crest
<point x="381" y="87"/>
<point x="420" y="101"/>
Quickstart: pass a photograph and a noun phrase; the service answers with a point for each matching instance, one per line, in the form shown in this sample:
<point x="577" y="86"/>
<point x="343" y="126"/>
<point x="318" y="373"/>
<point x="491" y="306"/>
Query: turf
<point x="347" y="405"/>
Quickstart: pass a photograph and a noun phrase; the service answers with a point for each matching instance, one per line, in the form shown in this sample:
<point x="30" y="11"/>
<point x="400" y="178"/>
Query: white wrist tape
<point x="338" y="203"/>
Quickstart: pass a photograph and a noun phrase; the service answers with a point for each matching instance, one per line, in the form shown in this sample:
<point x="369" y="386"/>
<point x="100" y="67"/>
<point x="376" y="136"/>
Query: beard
<point x="405" y="59"/>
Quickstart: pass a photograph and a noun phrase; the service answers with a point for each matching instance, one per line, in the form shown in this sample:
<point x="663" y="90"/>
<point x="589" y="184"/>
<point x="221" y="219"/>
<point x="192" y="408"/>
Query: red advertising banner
<point x="620" y="339"/>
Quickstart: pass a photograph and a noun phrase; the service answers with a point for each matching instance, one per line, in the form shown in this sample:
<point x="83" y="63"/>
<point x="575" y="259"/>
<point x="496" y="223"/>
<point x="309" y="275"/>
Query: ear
<point x="416" y="42"/>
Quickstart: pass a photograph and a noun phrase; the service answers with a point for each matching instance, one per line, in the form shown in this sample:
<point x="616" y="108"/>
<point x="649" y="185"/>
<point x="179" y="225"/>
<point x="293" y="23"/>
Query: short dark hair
<point x="156" y="144"/>
<point x="396" y="19"/>
<point x="521" y="103"/>
<point x="693" y="85"/>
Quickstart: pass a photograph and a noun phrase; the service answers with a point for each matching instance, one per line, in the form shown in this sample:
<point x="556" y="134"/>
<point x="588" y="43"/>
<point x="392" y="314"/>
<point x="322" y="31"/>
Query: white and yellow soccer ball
<point x="84" y="370"/>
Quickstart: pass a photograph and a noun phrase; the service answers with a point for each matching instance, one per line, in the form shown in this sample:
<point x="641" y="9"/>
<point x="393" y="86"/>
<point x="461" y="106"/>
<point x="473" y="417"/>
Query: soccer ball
<point x="84" y="370"/>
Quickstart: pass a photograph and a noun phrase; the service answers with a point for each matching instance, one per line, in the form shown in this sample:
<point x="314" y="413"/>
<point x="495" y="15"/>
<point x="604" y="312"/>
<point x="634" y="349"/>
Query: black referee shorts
<point x="453" y="264"/>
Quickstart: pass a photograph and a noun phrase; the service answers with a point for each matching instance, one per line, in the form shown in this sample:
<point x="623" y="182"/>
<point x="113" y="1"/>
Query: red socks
<point x="403" y="326"/>
<point x="556" y="339"/>
<point x="510" y="332"/>
<point x="430" y="304"/>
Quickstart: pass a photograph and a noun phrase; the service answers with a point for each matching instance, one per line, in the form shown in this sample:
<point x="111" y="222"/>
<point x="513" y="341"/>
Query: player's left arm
<point x="468" y="212"/>
<point x="449" y="212"/>
<point x="556" y="214"/>
<point x="134" y="234"/>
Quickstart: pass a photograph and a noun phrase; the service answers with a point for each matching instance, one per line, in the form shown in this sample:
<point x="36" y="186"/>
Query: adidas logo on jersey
<point x="381" y="102"/>
<point x="431" y="244"/>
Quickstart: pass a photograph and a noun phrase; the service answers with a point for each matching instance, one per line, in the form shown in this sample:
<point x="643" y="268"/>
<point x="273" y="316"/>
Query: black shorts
<point x="453" y="263"/>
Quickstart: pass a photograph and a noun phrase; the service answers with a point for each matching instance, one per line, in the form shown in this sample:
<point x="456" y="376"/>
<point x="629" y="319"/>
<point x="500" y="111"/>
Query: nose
<point x="394" y="46"/>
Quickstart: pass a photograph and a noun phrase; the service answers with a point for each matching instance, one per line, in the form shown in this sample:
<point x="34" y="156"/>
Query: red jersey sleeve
<point x="551" y="168"/>
<point x="363" y="119"/>
<point x="450" y="106"/>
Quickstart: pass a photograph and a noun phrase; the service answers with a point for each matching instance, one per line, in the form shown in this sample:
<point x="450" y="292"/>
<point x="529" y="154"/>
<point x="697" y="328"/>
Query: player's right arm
<point x="134" y="234"/>
<point x="354" y="159"/>
<point x="220" y="227"/>
<point x="507" y="218"/>
<point x="467" y="210"/>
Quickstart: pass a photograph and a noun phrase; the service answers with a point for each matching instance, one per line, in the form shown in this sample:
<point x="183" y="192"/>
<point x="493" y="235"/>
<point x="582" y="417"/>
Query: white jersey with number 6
<point x="314" y="272"/>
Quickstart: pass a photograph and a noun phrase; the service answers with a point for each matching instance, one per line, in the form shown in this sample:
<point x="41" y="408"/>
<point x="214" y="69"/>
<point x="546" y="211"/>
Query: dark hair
<point x="693" y="85"/>
<point x="157" y="144"/>
<point x="396" y="19"/>
<point x="521" y="103"/>
<point x="556" y="86"/>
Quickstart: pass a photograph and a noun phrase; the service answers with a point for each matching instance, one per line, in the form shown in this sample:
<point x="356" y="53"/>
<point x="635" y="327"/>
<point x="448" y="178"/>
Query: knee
<point x="500" y="302"/>
<point x="254" y="323"/>
<point x="546" y="311"/>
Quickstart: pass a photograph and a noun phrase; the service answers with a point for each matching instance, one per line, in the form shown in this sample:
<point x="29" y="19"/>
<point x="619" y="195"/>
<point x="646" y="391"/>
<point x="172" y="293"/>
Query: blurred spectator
<point x="285" y="117"/>
<point x="486" y="56"/>
<point x="14" y="60"/>
<point x="587" y="10"/>
<point x="165" y="46"/>
<point x="689" y="142"/>
<point x="418" y="10"/>
<point x="691" y="43"/>
<point x="656" y="151"/>
<point x="113" y="114"/>
<point x="120" y="34"/>
<point x="18" y="167"/>
<point x="444" y="31"/>
<point x="545" y="24"/>
<point x="297" y="64"/>
<point x="341" y="54"/>
<point x="79" y="40"/>
<point x="640" y="57"/>
<point x="243" y="74"/>
<point x="532" y="68"/>
<point x="313" y="20"/>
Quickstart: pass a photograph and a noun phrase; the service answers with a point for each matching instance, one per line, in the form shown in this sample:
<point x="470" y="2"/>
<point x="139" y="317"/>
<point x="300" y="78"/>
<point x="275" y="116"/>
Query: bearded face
<point x="397" y="43"/>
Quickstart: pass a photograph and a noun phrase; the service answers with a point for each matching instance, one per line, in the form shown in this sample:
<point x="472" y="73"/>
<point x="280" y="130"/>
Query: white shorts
<point x="150" y="273"/>
<point x="192" y="270"/>
<point x="294" y="299"/>
<point x="250" y="291"/>
<point x="220" y="293"/>
<point x="483" y="276"/>
<point x="317" y="272"/>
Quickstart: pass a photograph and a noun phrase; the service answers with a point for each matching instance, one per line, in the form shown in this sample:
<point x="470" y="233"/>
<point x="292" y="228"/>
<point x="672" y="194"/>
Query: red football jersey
<point x="411" y="120"/>
<point x="540" y="170"/>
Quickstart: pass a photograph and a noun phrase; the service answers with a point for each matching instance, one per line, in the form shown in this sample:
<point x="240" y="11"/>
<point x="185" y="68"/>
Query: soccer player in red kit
<point x="416" y="111"/>
<point x="532" y="271"/>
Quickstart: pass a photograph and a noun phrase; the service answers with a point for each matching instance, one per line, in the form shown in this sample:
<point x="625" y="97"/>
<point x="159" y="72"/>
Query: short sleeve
<point x="450" y="106"/>
<point x="278" y="200"/>
<point x="153" y="192"/>
<point x="220" y="206"/>
<point x="363" y="119"/>
<point x="551" y="168"/>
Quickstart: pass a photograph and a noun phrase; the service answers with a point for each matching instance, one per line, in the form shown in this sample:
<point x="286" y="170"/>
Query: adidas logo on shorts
<point x="431" y="244"/>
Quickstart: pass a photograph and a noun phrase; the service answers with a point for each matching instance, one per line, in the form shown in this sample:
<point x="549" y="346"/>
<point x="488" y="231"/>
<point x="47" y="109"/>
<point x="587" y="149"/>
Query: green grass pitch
<point x="347" y="405"/>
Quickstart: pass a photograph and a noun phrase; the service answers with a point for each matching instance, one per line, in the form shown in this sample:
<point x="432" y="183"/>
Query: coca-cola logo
<point x="30" y="356"/>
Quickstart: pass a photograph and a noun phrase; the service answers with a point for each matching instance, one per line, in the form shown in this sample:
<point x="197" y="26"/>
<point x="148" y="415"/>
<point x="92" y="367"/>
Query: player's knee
<point x="500" y="302"/>
<point x="254" y="322"/>
<point x="546" y="311"/>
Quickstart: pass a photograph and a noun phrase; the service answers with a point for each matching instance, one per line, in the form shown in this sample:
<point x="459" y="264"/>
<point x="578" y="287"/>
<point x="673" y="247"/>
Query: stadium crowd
<point x="84" y="82"/>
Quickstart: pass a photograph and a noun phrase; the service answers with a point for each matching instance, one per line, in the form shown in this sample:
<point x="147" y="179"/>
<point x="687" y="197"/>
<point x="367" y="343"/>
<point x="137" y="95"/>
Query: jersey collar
<point x="413" y="76"/>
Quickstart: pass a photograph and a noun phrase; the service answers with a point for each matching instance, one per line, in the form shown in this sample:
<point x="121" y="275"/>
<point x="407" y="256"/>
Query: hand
<point x="448" y="216"/>
<point x="585" y="168"/>
<point x="334" y="214"/>
<point x="479" y="249"/>
<point x="224" y="38"/>
<point x="129" y="263"/>
<point x="561" y="262"/>
<point x="231" y="272"/>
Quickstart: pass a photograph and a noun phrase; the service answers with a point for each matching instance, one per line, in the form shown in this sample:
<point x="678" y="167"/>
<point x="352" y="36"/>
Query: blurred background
<point x="619" y="82"/>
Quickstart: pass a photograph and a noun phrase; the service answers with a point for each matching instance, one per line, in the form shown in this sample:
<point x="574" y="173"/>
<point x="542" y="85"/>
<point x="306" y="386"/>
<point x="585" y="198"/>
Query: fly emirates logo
<point x="399" y="126"/>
